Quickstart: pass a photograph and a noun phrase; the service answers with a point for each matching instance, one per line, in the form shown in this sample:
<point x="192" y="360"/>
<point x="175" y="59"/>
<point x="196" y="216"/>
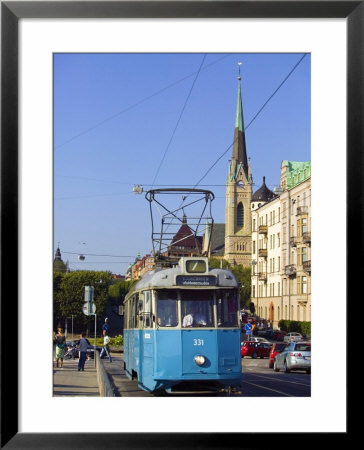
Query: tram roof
<point x="166" y="278"/>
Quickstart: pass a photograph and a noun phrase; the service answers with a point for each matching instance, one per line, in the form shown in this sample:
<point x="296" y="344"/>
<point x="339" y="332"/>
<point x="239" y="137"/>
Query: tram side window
<point x="227" y="309"/>
<point x="167" y="308"/>
<point x="147" y="309"/>
<point x="197" y="307"/>
<point x="138" y="310"/>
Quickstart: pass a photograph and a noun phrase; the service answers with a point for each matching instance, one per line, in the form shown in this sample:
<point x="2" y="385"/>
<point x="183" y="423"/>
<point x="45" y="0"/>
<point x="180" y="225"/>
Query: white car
<point x="258" y="339"/>
<point x="293" y="337"/>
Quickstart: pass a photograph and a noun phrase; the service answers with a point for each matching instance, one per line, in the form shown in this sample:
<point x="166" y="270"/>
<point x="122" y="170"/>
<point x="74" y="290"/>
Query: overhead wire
<point x="179" y="118"/>
<point x="107" y="119"/>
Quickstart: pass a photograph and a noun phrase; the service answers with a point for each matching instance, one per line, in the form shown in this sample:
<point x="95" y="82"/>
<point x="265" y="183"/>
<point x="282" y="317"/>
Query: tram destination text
<point x="202" y="280"/>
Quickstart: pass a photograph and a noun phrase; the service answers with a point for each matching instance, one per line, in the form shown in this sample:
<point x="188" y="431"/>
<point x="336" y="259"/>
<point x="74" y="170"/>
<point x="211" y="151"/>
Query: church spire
<point x="239" y="146"/>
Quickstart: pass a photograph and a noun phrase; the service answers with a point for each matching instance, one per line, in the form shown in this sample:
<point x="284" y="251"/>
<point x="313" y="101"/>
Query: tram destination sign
<point x="194" y="280"/>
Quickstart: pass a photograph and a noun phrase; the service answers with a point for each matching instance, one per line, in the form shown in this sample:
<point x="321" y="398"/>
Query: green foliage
<point x="69" y="292"/>
<point x="293" y="325"/>
<point x="118" y="290"/>
<point x="117" y="341"/>
<point x="243" y="275"/>
<point x="215" y="263"/>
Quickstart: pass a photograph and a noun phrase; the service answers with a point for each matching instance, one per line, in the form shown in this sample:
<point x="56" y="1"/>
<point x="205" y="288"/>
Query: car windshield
<point x="303" y="347"/>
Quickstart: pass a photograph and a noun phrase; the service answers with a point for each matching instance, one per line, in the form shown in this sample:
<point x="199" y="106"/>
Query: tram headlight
<point x="200" y="360"/>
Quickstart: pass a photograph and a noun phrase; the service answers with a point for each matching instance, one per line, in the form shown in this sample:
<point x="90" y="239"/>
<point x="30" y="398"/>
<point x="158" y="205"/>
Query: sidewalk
<point x="68" y="381"/>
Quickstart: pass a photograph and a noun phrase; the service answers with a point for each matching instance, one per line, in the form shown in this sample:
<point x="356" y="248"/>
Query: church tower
<point x="239" y="182"/>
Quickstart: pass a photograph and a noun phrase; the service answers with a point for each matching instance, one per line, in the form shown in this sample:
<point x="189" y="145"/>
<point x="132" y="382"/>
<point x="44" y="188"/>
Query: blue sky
<point x="127" y="119"/>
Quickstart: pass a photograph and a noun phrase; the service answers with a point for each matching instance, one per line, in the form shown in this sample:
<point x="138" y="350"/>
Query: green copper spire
<point x="239" y="121"/>
<point x="239" y="147"/>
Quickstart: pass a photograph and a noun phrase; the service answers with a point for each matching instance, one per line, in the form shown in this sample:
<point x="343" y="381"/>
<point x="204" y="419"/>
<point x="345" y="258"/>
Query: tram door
<point x="146" y="347"/>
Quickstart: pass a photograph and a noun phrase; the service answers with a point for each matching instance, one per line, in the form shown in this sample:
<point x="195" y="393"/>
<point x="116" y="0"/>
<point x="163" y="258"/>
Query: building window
<point x="302" y="285"/>
<point x="240" y="215"/>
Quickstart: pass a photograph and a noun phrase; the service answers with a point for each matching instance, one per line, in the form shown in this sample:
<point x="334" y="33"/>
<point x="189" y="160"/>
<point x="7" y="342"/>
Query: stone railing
<point x="103" y="380"/>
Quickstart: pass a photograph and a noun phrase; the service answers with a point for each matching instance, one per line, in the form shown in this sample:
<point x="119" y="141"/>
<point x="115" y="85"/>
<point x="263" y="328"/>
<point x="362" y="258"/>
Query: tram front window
<point x="227" y="309"/>
<point x="197" y="308"/>
<point x="167" y="309"/>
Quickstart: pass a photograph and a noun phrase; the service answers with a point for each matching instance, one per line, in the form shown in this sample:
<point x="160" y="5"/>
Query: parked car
<point x="276" y="348"/>
<point x="293" y="336"/>
<point x="255" y="349"/>
<point x="259" y="339"/>
<point x="295" y="356"/>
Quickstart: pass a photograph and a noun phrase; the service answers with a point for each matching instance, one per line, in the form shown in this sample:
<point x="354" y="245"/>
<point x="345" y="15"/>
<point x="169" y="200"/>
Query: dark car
<point x="274" y="335"/>
<point x="255" y="349"/>
<point x="90" y="348"/>
<point x="277" y="347"/>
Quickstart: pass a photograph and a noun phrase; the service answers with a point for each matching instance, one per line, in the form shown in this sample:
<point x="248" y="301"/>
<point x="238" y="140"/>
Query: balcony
<point x="263" y="229"/>
<point x="306" y="266"/>
<point x="290" y="270"/>
<point x="262" y="276"/>
<point x="306" y="238"/>
<point x="263" y="252"/>
<point x="293" y="241"/>
<point x="302" y="210"/>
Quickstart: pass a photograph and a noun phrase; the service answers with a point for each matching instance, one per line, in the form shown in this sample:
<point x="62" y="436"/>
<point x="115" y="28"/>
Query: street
<point x="258" y="381"/>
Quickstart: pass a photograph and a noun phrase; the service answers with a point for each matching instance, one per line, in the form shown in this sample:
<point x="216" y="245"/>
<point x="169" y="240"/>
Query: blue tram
<point x="182" y="329"/>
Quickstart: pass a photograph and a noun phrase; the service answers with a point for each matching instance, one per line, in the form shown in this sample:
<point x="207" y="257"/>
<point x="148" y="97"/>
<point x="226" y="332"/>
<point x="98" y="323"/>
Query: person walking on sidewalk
<point x="83" y="352"/>
<point x="60" y="340"/>
<point x="105" y="327"/>
<point x="106" y="347"/>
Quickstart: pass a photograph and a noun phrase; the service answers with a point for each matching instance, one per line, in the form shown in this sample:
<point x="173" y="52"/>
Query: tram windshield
<point x="197" y="308"/>
<point x="227" y="309"/>
<point x="167" y="308"/>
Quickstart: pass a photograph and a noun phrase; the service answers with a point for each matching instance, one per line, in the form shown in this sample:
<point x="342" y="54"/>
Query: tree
<point x="69" y="293"/>
<point x="215" y="263"/>
<point x="118" y="291"/>
<point x="243" y="275"/>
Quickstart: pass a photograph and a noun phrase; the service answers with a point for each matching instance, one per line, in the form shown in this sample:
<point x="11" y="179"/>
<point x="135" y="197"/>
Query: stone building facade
<point x="281" y="247"/>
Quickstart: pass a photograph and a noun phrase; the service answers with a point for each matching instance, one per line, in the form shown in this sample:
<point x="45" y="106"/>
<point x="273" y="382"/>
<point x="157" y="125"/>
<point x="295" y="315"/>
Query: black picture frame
<point x="11" y="12"/>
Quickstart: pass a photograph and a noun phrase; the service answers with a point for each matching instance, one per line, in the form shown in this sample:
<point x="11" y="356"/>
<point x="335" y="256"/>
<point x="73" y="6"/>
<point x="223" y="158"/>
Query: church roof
<point x="186" y="238"/>
<point x="58" y="256"/>
<point x="218" y="240"/>
<point x="263" y="193"/>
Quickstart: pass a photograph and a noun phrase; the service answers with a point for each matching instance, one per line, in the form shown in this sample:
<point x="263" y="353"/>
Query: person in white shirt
<point x="187" y="321"/>
<point x="105" y="348"/>
<point x="194" y="319"/>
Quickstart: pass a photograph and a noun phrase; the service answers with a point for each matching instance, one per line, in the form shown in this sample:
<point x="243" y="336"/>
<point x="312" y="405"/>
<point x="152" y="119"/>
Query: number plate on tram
<point x="202" y="280"/>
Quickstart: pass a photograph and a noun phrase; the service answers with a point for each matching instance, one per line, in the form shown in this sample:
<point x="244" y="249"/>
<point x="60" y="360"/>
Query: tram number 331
<point x="198" y="342"/>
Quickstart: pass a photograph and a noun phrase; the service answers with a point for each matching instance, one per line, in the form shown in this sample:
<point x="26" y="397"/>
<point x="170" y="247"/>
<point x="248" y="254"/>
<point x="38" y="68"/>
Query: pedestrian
<point x="60" y="341"/>
<point x="83" y="345"/>
<point x="105" y="348"/>
<point x="105" y="327"/>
